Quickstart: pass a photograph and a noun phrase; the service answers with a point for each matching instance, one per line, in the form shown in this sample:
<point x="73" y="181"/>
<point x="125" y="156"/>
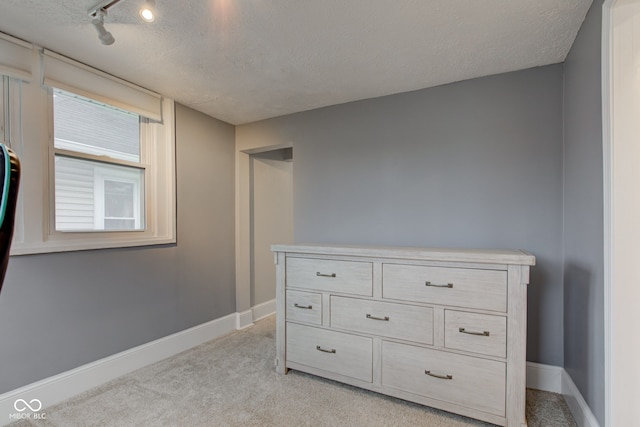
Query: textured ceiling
<point x="246" y="60"/>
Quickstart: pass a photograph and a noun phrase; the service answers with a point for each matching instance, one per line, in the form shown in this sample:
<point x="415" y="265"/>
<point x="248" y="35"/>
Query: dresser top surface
<point x="490" y="256"/>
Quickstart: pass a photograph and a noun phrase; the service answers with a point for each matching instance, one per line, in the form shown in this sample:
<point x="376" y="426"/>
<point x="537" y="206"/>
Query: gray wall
<point x="60" y="311"/>
<point x="471" y="164"/>
<point x="583" y="221"/>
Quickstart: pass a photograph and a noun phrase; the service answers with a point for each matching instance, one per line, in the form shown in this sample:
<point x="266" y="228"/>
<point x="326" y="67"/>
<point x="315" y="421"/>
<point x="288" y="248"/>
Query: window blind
<point x="66" y="74"/>
<point x="15" y="57"/>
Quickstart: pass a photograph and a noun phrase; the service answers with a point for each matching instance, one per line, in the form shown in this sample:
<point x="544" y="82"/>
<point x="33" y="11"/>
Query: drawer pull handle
<point x="483" y="333"/>
<point x="385" y="318"/>
<point x="442" y="377"/>
<point x="325" y="275"/>
<point x="332" y="351"/>
<point x="306" y="307"/>
<point x="448" y="285"/>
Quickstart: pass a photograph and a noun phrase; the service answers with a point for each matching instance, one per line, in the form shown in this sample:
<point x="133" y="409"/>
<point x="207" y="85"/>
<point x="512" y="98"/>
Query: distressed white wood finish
<point x="326" y="309"/>
<point x="377" y="360"/>
<point x="377" y="280"/>
<point x="489" y="294"/>
<point x="304" y="307"/>
<point x="330" y="276"/>
<point x="337" y="352"/>
<point x="492" y="344"/>
<point x="481" y="289"/>
<point x="517" y="349"/>
<point x="400" y="321"/>
<point x="402" y="394"/>
<point x="483" y="256"/>
<point x="438" y="332"/>
<point x="281" y="347"/>
<point x="468" y="381"/>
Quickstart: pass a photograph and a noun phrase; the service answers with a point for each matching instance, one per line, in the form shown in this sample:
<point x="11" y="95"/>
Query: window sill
<point x="75" y="245"/>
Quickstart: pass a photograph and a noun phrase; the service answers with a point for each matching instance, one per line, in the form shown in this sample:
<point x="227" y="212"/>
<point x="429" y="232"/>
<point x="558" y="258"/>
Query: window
<point x="97" y="154"/>
<point x="93" y="195"/>
<point x="121" y="210"/>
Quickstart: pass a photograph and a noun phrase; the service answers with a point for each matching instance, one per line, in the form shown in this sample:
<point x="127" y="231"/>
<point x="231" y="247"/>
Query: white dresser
<point x="441" y="327"/>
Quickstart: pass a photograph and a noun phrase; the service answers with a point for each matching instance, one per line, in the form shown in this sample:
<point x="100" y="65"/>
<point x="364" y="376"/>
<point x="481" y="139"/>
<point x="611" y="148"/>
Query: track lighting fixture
<point x="99" y="11"/>
<point x="105" y="37"/>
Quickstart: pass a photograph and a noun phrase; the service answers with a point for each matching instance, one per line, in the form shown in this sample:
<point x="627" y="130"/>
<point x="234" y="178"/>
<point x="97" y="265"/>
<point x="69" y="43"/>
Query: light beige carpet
<point x="231" y="381"/>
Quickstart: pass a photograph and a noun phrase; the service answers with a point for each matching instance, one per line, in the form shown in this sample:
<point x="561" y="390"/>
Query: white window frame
<point x="146" y="144"/>
<point x="4" y="110"/>
<point x="11" y="135"/>
<point x="74" y="240"/>
<point x="35" y="226"/>
<point x="9" y="101"/>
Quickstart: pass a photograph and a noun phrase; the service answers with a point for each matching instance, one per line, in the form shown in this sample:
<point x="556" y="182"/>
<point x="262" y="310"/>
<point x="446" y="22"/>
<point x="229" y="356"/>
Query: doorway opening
<point x="271" y="217"/>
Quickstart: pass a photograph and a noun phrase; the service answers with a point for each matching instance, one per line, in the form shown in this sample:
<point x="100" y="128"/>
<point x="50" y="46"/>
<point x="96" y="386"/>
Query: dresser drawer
<point x="330" y="276"/>
<point x="466" y="381"/>
<point x="477" y="333"/>
<point x="332" y="351"/>
<point x="407" y="322"/>
<point x="304" y="307"/>
<point x="461" y="287"/>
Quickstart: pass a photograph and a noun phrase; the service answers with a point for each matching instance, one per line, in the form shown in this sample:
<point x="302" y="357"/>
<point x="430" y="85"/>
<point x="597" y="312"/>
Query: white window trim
<point x="15" y="57"/>
<point x="89" y="149"/>
<point x="35" y="231"/>
<point x="4" y="111"/>
<point x="13" y="138"/>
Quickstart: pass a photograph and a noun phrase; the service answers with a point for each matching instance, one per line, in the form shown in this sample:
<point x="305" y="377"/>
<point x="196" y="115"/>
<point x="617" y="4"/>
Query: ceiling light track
<point x="104" y="5"/>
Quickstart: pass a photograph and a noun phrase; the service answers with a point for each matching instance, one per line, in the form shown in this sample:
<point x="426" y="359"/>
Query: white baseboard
<point x="257" y="312"/>
<point x="544" y="377"/>
<point x="578" y="406"/>
<point x="263" y="310"/>
<point x="244" y="319"/>
<point x="557" y="380"/>
<point x="53" y="390"/>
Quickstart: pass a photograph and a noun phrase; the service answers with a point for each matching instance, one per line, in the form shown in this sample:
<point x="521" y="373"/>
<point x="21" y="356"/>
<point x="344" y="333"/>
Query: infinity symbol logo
<point x="21" y="405"/>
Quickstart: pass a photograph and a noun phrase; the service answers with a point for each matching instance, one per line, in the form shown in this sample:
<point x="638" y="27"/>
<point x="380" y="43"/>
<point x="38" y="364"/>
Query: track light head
<point x="106" y="38"/>
<point x="148" y="11"/>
